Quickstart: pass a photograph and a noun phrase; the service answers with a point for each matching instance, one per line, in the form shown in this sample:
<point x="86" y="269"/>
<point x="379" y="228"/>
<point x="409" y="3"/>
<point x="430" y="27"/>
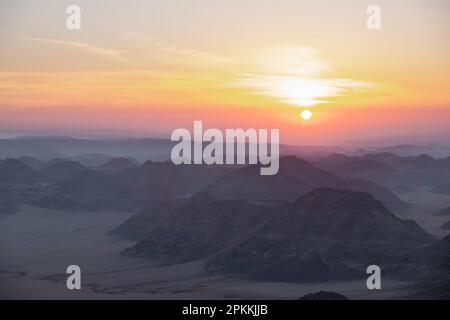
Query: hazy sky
<point x="144" y="68"/>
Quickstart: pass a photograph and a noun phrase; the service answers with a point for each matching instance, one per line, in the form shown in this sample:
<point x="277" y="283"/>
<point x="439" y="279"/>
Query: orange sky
<point x="147" y="68"/>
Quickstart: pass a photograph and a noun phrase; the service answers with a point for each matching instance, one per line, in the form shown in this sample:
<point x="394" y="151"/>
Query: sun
<point x="306" y="114"/>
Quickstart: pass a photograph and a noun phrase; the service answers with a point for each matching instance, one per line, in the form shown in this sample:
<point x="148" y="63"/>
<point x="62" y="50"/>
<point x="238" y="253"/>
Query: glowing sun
<point x="306" y="114"/>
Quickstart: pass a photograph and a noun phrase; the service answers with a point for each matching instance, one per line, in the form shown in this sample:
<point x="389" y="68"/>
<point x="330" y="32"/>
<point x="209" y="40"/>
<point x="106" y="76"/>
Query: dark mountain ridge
<point x="325" y="234"/>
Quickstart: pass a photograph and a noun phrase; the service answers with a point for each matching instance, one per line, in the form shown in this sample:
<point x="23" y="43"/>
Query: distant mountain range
<point x="92" y="151"/>
<point x="355" y="167"/>
<point x="47" y="148"/>
<point x="119" y="184"/>
<point x="87" y="190"/>
<point x="376" y="174"/>
<point x="391" y="170"/>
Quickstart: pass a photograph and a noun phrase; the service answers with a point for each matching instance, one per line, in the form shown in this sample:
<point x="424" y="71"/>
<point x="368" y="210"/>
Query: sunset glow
<point x="142" y="78"/>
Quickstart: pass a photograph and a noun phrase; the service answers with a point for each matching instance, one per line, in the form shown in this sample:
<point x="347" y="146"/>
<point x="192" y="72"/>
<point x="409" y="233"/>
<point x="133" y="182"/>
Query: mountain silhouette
<point x="323" y="295"/>
<point x="325" y="234"/>
<point x="446" y="226"/>
<point x="13" y="171"/>
<point x="87" y="190"/>
<point x="295" y="178"/>
<point x="165" y="180"/>
<point x="357" y="168"/>
<point x="31" y="162"/>
<point x="140" y="225"/>
<point x="118" y="164"/>
<point x="59" y="169"/>
<point x="434" y="271"/>
<point x="199" y="227"/>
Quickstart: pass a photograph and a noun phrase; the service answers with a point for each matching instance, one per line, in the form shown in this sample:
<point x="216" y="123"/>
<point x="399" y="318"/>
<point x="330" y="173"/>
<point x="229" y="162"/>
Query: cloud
<point x="295" y="75"/>
<point x="302" y="92"/>
<point x="173" y="53"/>
<point x="116" y="55"/>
